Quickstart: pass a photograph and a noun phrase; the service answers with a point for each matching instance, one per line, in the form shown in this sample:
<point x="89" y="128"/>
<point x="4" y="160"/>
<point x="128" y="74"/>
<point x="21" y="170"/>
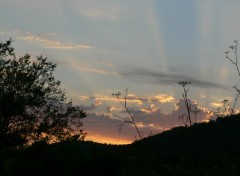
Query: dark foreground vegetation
<point x="202" y="149"/>
<point x="33" y="106"/>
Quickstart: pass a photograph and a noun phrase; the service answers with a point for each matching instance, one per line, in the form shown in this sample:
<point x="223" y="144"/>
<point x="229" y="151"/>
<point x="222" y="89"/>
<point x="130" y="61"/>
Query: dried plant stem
<point x="188" y="106"/>
<point x="234" y="104"/>
<point x="235" y="61"/>
<point x="124" y="104"/>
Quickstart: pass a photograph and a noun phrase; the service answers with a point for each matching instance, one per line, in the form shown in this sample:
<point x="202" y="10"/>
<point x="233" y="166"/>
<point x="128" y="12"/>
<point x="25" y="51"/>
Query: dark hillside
<point x="215" y="136"/>
<point x="203" y="149"/>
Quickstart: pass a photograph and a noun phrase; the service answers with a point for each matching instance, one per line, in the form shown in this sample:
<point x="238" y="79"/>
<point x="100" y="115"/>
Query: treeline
<point x="202" y="149"/>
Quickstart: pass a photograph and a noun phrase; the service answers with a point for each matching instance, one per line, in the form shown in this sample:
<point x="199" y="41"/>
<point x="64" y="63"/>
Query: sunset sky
<point x="148" y="46"/>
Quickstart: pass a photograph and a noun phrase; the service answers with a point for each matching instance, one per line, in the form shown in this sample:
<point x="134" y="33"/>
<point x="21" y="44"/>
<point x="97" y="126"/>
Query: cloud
<point x="102" y="126"/>
<point x="92" y="107"/>
<point x="130" y="99"/>
<point x="139" y="100"/>
<point x="3" y="33"/>
<point x="151" y="109"/>
<point x="98" y="14"/>
<point x="164" y="98"/>
<point x="154" y="115"/>
<point x="165" y="78"/>
<point x="78" y="65"/>
<point x="202" y="96"/>
<point x="84" y="98"/>
<point x="161" y="98"/>
<point x="217" y="104"/>
<point x="11" y="33"/>
<point x="96" y="10"/>
<point x="104" y="98"/>
<point x="44" y="41"/>
<point x="113" y="109"/>
<point x="100" y="71"/>
<point x="220" y="102"/>
<point x="150" y="120"/>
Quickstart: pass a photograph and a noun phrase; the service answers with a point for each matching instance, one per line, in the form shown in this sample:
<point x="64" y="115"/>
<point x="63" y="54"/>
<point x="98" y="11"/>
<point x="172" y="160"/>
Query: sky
<point x="148" y="46"/>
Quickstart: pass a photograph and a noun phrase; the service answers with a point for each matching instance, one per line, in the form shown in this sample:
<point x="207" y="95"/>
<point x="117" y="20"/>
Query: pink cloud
<point x="150" y="120"/>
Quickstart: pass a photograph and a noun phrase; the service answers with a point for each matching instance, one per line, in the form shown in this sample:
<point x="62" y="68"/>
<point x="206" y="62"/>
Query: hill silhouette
<point x="211" y="148"/>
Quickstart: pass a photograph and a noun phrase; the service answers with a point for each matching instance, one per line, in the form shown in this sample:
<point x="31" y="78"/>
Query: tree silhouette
<point x="33" y="107"/>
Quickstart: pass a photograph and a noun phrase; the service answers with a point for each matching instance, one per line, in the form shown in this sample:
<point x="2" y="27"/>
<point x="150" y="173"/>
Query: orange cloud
<point x="97" y="103"/>
<point x="164" y="98"/>
<point x="151" y="109"/>
<point x="102" y="127"/>
<point x="216" y="104"/>
<point x="131" y="98"/>
<point x="84" y="98"/>
<point x="113" y="108"/>
<point x="104" y="97"/>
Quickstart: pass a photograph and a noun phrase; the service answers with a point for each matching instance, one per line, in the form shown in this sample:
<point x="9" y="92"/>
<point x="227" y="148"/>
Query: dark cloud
<point x="167" y="78"/>
<point x="91" y="107"/>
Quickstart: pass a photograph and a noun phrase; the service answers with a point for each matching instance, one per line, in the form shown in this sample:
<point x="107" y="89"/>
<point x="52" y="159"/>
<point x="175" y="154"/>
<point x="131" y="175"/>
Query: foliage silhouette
<point x="32" y="104"/>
